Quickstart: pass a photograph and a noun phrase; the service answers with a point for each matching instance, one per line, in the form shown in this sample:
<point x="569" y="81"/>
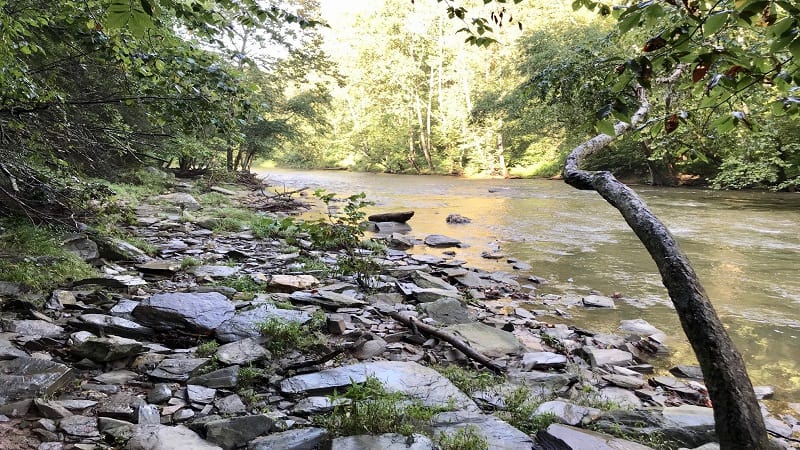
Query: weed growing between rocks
<point x="466" y="438"/>
<point x="469" y="381"/>
<point x="520" y="411"/>
<point x="190" y="262"/>
<point x="285" y="336"/>
<point x="373" y="410"/>
<point x="249" y="374"/>
<point x="206" y="349"/>
<point x="32" y="256"/>
<point x="243" y="283"/>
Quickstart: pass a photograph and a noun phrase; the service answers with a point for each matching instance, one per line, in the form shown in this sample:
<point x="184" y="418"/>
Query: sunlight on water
<point x="744" y="246"/>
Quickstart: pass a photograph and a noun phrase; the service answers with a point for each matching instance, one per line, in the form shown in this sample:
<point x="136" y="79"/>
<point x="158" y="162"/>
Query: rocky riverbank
<point x="227" y="338"/>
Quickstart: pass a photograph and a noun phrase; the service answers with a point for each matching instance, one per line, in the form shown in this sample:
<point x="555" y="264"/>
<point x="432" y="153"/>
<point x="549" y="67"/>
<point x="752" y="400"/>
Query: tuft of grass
<point x="190" y="262"/>
<point x="373" y="410"/>
<point x="249" y="374"/>
<point x="520" y="411"/>
<point x="229" y="224"/>
<point x="206" y="349"/>
<point x="243" y="283"/>
<point x="33" y="255"/>
<point x="214" y="200"/>
<point x="469" y="381"/>
<point x="285" y="336"/>
<point x="465" y="438"/>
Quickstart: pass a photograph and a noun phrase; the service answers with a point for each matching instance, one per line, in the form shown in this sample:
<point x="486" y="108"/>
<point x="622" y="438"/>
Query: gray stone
<point x="189" y="312"/>
<point x="498" y="434"/>
<point x="11" y="289"/>
<point x="410" y="378"/>
<point x="543" y="360"/>
<point x="177" y="369"/>
<point x="244" y="323"/>
<point x="389" y="441"/>
<point x="123" y="406"/>
<point x="620" y="396"/>
<point x="75" y="404"/>
<point x="24" y="378"/>
<point x="81" y="246"/>
<point x="639" y="327"/>
<point x="51" y="410"/>
<point x="564" y="437"/>
<point x="427" y="295"/>
<point x="291" y="283"/>
<point x="542" y="383"/>
<point x="9" y="351"/>
<point x="398" y="241"/>
<point x="624" y="381"/>
<point x="440" y="241"/>
<point x="369" y="349"/>
<point x="118" y="429"/>
<point x="471" y="280"/>
<point x="492" y="342"/>
<point x="300" y="439"/>
<point x="116" y="249"/>
<point x="160" y="393"/>
<point x="318" y="405"/>
<point x="426" y="280"/>
<point x="245" y="351"/>
<point x="599" y="357"/>
<point x="598" y="301"/>
<point x="764" y="392"/>
<point x="690" y="426"/>
<point x="164" y="437"/>
<point x="162" y="268"/>
<point x="116" y="377"/>
<point x="118" y="326"/>
<point x="33" y="328"/>
<point x="399" y="216"/>
<point x="221" y="378"/>
<point x="457" y="218"/>
<point x="449" y="311"/>
<point x="183" y="415"/>
<point x="327" y="299"/>
<point x="111" y="348"/>
<point x="231" y="404"/>
<point x="567" y="413"/>
<point x="222" y="190"/>
<point x="148" y="414"/>
<point x="182" y="200"/>
<point x="200" y="394"/>
<point x="79" y="426"/>
<point x="237" y="431"/>
<point x="777" y="427"/>
<point x="388" y="228"/>
<point x="215" y="271"/>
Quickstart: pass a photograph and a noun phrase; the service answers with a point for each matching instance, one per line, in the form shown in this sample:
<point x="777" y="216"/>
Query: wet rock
<point x="384" y="441"/>
<point x="543" y="361"/>
<point x="409" y="378"/>
<point x="24" y="378"/>
<point x="457" y="219"/>
<point x="494" y="255"/>
<point x="291" y="283"/>
<point x="182" y="200"/>
<point x="215" y="271"/>
<point x="598" y="301"/>
<point x="402" y="217"/>
<point x="449" y="311"/>
<point x="640" y="327"/>
<point x="200" y="394"/>
<point x="237" y="431"/>
<point x="300" y="439"/>
<point x="232" y="404"/>
<point x="599" y="357"/>
<point x="399" y="241"/>
<point x="75" y="404"/>
<point x="567" y="413"/>
<point x="122" y="406"/>
<point x="188" y="312"/>
<point x="177" y="369"/>
<point x="81" y="246"/>
<point x="498" y="434"/>
<point x="118" y="326"/>
<point x="33" y="328"/>
<point x="432" y="295"/>
<point x="244" y="324"/>
<point x="490" y="341"/>
<point x="163" y="437"/>
<point x="470" y="280"/>
<point x="79" y="426"/>
<point x="160" y="393"/>
<point x="764" y="392"/>
<point x="693" y="372"/>
<point x="441" y="241"/>
<point x="564" y="437"/>
<point x="246" y="351"/>
<point x="390" y="228"/>
<point x="221" y="378"/>
<point x="521" y="266"/>
<point x="111" y="348"/>
<point x="426" y="280"/>
<point x="676" y="386"/>
<point x="327" y="299"/>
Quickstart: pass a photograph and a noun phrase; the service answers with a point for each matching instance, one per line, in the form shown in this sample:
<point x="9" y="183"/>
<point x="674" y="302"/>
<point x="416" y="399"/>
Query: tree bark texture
<point x="739" y="423"/>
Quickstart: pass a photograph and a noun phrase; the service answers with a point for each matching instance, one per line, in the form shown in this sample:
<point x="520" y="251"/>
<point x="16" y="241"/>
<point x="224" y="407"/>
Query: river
<point x="745" y="246"/>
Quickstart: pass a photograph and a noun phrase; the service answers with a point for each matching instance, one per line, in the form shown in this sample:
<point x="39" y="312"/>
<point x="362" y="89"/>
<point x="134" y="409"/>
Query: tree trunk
<point x="739" y="423"/>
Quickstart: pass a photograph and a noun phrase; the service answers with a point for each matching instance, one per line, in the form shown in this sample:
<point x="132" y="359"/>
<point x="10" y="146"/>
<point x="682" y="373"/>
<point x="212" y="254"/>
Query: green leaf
<point x="629" y="22"/>
<point x="794" y="48"/>
<point x="606" y="127"/>
<point x="715" y="22"/>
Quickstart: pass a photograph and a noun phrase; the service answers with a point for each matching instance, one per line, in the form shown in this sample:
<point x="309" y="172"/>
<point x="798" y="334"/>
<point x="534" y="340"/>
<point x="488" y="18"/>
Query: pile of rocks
<point x="115" y="361"/>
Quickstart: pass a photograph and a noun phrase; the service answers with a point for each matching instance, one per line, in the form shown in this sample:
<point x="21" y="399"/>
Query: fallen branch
<point x="738" y="419"/>
<point x="460" y="345"/>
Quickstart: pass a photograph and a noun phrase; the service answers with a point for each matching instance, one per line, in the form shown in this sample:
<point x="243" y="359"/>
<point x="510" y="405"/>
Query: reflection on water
<point x="745" y="247"/>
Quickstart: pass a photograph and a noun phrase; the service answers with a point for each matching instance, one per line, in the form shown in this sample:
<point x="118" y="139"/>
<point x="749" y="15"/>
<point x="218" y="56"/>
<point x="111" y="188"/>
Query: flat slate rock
<point x="33" y="328"/>
<point x="498" y="434"/>
<point x="400" y="216"/>
<point x="25" y="377"/>
<point x="246" y="351"/>
<point x="327" y="299"/>
<point x="640" y="327"/>
<point x="291" y="283"/>
<point x="441" y="241"/>
<point x="567" y="413"/>
<point x="110" y="348"/>
<point x="165" y="437"/>
<point x="221" y="378"/>
<point x="215" y="271"/>
<point x="177" y="369"/>
<point x="599" y="357"/>
<point x="564" y="437"/>
<point x="189" y="312"/>
<point x="391" y="441"/>
<point x="543" y="360"/>
<point x="449" y="311"/>
<point x="118" y="326"/>
<point x="235" y="432"/>
<point x="244" y="323"/>
<point x="492" y="342"/>
<point x="299" y="439"/>
<point x="410" y="378"/>
<point x="598" y="301"/>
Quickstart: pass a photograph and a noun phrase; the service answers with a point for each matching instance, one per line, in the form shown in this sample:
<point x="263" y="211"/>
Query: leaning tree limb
<point x="739" y="423"/>
<point x="460" y="345"/>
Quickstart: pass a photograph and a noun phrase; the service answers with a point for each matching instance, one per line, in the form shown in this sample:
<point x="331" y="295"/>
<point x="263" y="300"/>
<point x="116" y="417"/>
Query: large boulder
<point x="81" y="246"/>
<point x="298" y="439"/>
<point x="244" y="323"/>
<point x="449" y="311"/>
<point x="564" y="437"/>
<point x="24" y="377"/>
<point x="165" y="437"/>
<point x="441" y="241"/>
<point x="402" y="217"/>
<point x="492" y="342"/>
<point x="195" y="313"/>
<point x="498" y="434"/>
